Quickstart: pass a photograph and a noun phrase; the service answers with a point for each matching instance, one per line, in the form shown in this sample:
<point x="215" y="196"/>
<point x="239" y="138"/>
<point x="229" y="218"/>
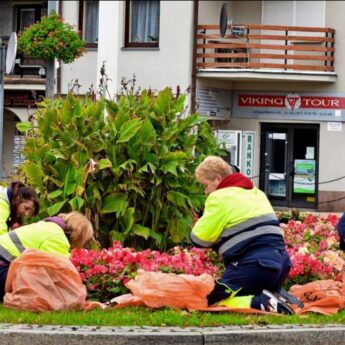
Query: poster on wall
<point x="304" y="179"/>
<point x="18" y="150"/>
<point x="214" y="102"/>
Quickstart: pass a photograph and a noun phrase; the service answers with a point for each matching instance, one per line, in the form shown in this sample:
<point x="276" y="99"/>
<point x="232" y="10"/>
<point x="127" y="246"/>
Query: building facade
<point x="270" y="81"/>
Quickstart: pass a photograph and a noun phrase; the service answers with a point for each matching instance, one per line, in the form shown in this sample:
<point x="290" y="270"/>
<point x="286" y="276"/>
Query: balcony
<point x="253" y="52"/>
<point x="28" y="73"/>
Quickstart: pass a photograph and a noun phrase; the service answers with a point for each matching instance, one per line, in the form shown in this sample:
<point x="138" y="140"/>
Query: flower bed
<point x="105" y="272"/>
<point x="312" y="245"/>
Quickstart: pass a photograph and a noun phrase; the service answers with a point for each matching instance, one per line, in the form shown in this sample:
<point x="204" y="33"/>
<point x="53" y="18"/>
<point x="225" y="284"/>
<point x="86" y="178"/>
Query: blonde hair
<point x="212" y="166"/>
<point x="78" y="229"/>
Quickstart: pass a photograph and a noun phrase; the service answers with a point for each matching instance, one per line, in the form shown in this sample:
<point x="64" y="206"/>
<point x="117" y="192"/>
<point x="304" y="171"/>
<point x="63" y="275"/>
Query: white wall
<point x="209" y="11"/>
<point x="171" y="64"/>
<point x="247" y="12"/>
<point x="85" y="68"/>
<point x="111" y="14"/>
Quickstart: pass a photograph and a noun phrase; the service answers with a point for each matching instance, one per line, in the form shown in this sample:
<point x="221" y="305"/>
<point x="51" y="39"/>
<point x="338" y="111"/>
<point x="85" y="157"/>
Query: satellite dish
<point x="223" y="20"/>
<point x="11" y="53"/>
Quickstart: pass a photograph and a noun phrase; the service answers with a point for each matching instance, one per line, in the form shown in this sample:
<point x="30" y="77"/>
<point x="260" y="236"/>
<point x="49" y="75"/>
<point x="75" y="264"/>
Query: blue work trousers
<point x="3" y="276"/>
<point x="259" y="270"/>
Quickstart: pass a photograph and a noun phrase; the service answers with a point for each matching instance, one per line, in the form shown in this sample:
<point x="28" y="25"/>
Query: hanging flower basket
<point x="51" y="38"/>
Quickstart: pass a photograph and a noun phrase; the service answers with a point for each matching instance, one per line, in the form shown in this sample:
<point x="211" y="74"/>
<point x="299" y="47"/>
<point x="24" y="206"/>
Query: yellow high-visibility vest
<point x="4" y="210"/>
<point x="46" y="236"/>
<point x="231" y="211"/>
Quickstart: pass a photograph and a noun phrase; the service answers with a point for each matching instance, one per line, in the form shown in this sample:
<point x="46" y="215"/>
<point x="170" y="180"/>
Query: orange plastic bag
<point x="157" y="289"/>
<point x="321" y="296"/>
<point x="39" y="281"/>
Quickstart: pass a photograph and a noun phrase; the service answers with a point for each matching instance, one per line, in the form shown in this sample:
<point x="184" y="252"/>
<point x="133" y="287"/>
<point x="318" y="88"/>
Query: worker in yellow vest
<point x="239" y="222"/>
<point x="16" y="202"/>
<point x="56" y="235"/>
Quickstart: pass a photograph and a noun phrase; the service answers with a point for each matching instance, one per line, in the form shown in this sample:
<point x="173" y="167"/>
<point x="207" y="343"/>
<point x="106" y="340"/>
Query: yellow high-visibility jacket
<point x="235" y="218"/>
<point x="46" y="236"/>
<point x="4" y="210"/>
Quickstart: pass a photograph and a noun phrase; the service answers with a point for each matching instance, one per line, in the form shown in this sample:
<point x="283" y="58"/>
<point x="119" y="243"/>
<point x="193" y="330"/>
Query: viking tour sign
<point x="289" y="106"/>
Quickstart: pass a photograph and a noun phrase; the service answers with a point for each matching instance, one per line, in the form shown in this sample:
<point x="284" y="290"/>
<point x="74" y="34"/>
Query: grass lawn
<point x="141" y="316"/>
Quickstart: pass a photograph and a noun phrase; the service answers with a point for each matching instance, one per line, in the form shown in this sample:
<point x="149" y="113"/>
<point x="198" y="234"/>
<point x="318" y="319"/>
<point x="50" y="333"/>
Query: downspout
<point x="58" y="72"/>
<point x="195" y="38"/>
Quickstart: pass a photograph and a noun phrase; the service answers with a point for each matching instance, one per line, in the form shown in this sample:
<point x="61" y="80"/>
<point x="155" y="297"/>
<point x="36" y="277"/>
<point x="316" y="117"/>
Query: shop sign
<point x="248" y="154"/>
<point x="289" y="106"/>
<point x="22" y="98"/>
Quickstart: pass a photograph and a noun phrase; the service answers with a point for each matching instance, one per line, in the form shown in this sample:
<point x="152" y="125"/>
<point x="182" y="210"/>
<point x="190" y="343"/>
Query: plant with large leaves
<point x="128" y="165"/>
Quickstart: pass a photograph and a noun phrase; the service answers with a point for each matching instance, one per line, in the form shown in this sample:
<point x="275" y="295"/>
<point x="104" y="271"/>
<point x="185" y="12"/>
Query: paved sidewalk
<point x="237" y="335"/>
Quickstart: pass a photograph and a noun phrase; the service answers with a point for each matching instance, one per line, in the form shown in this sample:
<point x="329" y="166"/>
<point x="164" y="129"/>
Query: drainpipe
<point x="195" y="38"/>
<point x="2" y="93"/>
<point x="58" y="72"/>
<point x="50" y="63"/>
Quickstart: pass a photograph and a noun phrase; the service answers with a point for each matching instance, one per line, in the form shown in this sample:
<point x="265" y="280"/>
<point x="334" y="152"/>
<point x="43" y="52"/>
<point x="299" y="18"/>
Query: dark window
<point x="28" y="15"/>
<point x="142" y="23"/>
<point x="88" y="22"/>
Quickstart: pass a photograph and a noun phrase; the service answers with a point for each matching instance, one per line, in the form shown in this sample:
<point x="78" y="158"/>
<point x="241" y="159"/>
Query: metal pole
<point x="50" y="64"/>
<point x="2" y="92"/>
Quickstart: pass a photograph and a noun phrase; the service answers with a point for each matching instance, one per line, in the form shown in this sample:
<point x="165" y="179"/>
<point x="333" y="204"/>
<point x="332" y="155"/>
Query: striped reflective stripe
<point x="16" y="241"/>
<point x="6" y="255"/>
<point x="200" y="242"/>
<point x="248" y="223"/>
<point x="263" y="230"/>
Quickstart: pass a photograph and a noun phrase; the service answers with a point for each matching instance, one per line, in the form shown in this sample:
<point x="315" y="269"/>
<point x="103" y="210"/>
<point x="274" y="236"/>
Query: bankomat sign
<point x="299" y="106"/>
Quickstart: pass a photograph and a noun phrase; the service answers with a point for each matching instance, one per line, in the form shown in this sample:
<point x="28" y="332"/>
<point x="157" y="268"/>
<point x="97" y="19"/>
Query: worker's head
<point x="24" y="202"/>
<point x="78" y="229"/>
<point x="211" y="171"/>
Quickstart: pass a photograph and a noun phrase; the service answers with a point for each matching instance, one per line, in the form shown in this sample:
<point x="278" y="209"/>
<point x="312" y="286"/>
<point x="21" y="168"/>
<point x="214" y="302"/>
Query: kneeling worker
<point x="56" y="235"/>
<point x="240" y="223"/>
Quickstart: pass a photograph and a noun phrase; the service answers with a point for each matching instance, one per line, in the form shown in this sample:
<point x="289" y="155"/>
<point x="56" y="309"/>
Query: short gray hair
<point x="211" y="166"/>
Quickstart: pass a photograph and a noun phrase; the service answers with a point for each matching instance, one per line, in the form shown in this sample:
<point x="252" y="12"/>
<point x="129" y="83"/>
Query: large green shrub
<point x="128" y="165"/>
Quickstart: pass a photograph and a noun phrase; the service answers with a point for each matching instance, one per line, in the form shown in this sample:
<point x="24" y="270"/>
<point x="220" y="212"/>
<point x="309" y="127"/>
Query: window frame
<point x="81" y="25"/>
<point x="18" y="7"/>
<point x="128" y="43"/>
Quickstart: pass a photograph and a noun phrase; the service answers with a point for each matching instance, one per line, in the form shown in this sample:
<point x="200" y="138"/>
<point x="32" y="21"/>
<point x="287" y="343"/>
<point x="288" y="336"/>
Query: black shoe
<point x="275" y="305"/>
<point x="284" y="296"/>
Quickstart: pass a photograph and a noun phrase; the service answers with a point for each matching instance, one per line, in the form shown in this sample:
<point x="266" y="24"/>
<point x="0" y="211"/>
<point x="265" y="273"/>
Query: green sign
<point x="248" y="154"/>
<point x="304" y="179"/>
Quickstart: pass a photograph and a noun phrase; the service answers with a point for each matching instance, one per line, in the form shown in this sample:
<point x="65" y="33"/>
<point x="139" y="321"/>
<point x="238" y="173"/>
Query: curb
<point x="239" y="335"/>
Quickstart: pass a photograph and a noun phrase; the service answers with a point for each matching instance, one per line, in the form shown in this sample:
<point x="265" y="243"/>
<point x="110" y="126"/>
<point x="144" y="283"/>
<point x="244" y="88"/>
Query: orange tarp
<point x="322" y="296"/>
<point x="38" y="281"/>
<point x="156" y="289"/>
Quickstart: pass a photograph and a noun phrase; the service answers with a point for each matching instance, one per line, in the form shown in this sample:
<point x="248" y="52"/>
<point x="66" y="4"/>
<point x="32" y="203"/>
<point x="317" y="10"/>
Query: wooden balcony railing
<point x="266" y="47"/>
<point x="27" y="67"/>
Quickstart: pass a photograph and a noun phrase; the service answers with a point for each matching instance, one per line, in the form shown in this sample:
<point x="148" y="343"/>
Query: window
<point x="142" y="23"/>
<point x="28" y="15"/>
<point x="88" y="22"/>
